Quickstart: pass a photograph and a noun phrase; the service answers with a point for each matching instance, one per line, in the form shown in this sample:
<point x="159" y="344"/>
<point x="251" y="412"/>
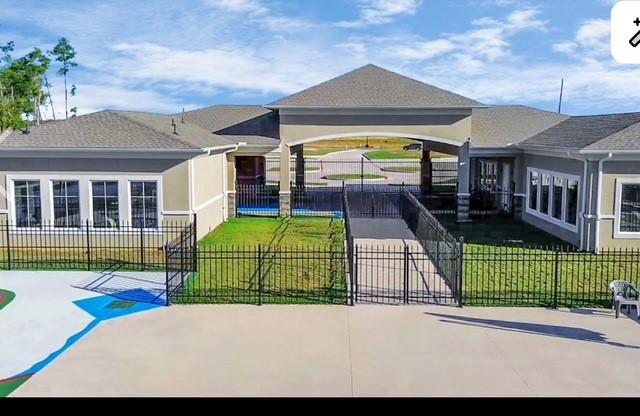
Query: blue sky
<point x="164" y="55"/>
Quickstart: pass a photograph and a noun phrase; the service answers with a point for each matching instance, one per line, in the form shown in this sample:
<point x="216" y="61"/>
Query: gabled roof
<point x="503" y="125"/>
<point x="109" y="129"/>
<point x="219" y="117"/>
<point x="583" y="132"/>
<point x="372" y="86"/>
<point x="252" y="140"/>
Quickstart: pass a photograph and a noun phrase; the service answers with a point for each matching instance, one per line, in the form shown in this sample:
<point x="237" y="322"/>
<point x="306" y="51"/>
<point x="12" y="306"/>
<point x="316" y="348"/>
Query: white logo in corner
<point x="625" y="32"/>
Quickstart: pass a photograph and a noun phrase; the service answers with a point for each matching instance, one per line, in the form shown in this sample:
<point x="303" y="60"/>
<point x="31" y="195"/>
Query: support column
<point x="285" y="181"/>
<point x="300" y="168"/>
<point x="519" y="195"/>
<point x="231" y="186"/>
<point x="426" y="171"/>
<point x="464" y="170"/>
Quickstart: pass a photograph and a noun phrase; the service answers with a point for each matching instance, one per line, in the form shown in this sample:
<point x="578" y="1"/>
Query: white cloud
<point x="259" y="12"/>
<point x="591" y="39"/>
<point x="240" y="6"/>
<point x="377" y="12"/>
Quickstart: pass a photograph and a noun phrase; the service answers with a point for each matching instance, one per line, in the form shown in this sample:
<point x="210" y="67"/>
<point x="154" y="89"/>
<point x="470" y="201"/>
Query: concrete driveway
<point x="342" y="351"/>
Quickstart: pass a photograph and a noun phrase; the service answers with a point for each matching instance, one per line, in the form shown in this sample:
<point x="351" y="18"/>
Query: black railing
<point x="441" y="246"/>
<point x="48" y="247"/>
<point x="316" y="202"/>
<point x="257" y="200"/>
<point x="350" y="247"/>
<point x="485" y="202"/>
<point x="181" y="261"/>
<point x="549" y="276"/>
<point x="266" y="275"/>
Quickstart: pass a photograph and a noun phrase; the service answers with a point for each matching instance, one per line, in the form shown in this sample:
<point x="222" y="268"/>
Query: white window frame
<point x="91" y="219"/>
<point x="86" y="199"/>
<point x="158" y="205"/>
<point x="51" y="220"/>
<point x="549" y="216"/>
<point x="11" y="201"/>
<point x="618" y="209"/>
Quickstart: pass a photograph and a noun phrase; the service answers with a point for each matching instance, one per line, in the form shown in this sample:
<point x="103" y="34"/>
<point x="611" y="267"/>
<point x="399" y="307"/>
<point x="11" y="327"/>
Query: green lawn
<point x="306" y="169"/>
<point x="302" y="261"/>
<point x="393" y="154"/>
<point x="511" y="263"/>
<point x="353" y="176"/>
<point x="401" y="169"/>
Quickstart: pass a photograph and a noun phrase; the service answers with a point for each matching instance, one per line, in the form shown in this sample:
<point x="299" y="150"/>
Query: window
<point x="556" y="197"/>
<point x="66" y="204"/>
<point x="544" y="194"/>
<point x="572" y="202"/>
<point x="106" y="212"/>
<point x="27" y="203"/>
<point x="630" y="208"/>
<point x="533" y="190"/>
<point x="144" y="204"/>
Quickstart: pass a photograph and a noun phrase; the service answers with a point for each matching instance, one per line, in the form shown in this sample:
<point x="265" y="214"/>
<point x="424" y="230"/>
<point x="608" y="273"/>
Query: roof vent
<point x="175" y="126"/>
<point x="182" y="116"/>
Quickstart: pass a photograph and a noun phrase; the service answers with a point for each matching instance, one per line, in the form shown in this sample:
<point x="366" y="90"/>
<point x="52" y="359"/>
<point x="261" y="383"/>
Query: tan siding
<point x="175" y="188"/>
<point x="611" y="172"/>
<point x="207" y="174"/>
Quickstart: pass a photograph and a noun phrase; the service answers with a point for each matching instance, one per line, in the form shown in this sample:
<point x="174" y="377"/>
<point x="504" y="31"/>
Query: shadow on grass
<point x="566" y="332"/>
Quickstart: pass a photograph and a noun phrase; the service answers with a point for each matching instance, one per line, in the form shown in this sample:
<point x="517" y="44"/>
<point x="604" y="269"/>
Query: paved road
<point x="343" y="351"/>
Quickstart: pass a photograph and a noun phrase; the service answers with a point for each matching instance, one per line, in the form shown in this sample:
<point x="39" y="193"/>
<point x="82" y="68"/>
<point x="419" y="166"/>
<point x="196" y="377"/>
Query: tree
<point x="21" y="86"/>
<point x="64" y="53"/>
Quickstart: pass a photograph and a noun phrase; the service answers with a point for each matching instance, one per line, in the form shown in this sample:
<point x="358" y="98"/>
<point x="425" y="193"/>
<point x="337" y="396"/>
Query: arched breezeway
<point x="456" y="146"/>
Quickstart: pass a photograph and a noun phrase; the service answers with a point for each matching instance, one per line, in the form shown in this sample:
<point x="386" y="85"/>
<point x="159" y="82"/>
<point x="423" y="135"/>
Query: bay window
<point x="553" y="196"/>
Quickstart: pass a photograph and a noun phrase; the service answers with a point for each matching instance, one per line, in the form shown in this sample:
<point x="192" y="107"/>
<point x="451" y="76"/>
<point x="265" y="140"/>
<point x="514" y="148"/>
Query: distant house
<point x="575" y="177"/>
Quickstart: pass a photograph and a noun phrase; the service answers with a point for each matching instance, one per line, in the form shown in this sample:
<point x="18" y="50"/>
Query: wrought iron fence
<point x="49" y="247"/>
<point x="443" y="249"/>
<point x="316" y="202"/>
<point x="266" y="275"/>
<point x="549" y="276"/>
<point x="485" y="202"/>
<point x="257" y="200"/>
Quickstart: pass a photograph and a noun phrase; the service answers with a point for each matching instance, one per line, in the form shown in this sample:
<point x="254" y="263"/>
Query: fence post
<point x="259" y="274"/>
<point x="142" y="248"/>
<point x="555" y="276"/>
<point x="460" y="272"/>
<point x="355" y="273"/>
<point x="406" y="273"/>
<point x="8" y="245"/>
<point x="361" y="173"/>
<point x="166" y="271"/>
<point x="351" y="270"/>
<point x="88" y="248"/>
<point x="194" y="232"/>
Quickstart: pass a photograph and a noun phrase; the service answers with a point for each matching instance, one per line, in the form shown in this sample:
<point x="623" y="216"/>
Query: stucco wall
<point x="612" y="171"/>
<point x="560" y="165"/>
<point x="456" y="129"/>
<point x="207" y="173"/>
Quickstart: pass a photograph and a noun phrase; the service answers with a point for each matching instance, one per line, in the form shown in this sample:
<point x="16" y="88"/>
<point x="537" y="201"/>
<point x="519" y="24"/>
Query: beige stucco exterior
<point x="612" y="173"/>
<point x="208" y="188"/>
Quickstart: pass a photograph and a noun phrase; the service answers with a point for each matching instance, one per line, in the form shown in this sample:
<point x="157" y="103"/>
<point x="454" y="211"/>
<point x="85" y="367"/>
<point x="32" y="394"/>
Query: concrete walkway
<point x="342" y="351"/>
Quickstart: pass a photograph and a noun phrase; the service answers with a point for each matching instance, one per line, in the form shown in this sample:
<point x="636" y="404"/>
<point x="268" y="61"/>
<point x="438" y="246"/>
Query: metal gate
<point x="395" y="275"/>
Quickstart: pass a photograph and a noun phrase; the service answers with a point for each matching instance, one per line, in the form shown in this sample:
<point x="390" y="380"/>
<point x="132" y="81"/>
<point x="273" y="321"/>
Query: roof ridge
<point x="146" y="126"/>
<point x="529" y="107"/>
<point x="615" y="132"/>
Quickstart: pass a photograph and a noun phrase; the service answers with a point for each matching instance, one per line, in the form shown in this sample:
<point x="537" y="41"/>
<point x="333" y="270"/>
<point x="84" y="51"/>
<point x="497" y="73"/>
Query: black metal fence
<point x="549" y="276"/>
<point x="265" y="275"/>
<point x="181" y="261"/>
<point x="307" y="201"/>
<point x="320" y="172"/>
<point x="445" y="252"/>
<point x="48" y="247"/>
<point x="485" y="202"/>
<point x="257" y="200"/>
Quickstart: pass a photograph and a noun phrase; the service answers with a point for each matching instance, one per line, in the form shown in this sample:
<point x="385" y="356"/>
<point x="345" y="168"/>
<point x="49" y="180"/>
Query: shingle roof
<point x="625" y="139"/>
<point x="372" y="86"/>
<point x="508" y="124"/>
<point x="585" y="131"/>
<point x="219" y="117"/>
<point x="253" y="140"/>
<point x="110" y="129"/>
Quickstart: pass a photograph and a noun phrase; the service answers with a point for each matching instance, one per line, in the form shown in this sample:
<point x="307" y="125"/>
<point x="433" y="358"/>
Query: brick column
<point x="464" y="169"/>
<point x="426" y="171"/>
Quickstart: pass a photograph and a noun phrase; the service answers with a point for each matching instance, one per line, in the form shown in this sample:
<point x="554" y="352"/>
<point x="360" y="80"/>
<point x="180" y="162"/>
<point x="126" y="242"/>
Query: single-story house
<point x="577" y="178"/>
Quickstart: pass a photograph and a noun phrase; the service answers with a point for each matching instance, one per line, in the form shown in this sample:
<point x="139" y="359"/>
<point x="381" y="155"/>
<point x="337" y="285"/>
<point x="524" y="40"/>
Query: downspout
<point x="583" y="209"/>
<point x="599" y="201"/>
